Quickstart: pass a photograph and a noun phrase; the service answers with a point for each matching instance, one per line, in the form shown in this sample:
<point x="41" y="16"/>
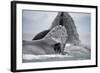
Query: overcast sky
<point x="37" y="21"/>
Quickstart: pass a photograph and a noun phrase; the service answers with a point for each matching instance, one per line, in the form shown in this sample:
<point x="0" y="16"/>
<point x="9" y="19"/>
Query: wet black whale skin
<point x="41" y="35"/>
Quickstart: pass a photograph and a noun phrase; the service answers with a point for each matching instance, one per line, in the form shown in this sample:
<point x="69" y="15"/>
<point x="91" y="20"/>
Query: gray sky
<point x="37" y="21"/>
<point x="82" y="22"/>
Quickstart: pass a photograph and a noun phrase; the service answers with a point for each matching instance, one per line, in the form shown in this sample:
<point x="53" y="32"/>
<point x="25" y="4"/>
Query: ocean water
<point x="81" y="52"/>
<point x="72" y="53"/>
